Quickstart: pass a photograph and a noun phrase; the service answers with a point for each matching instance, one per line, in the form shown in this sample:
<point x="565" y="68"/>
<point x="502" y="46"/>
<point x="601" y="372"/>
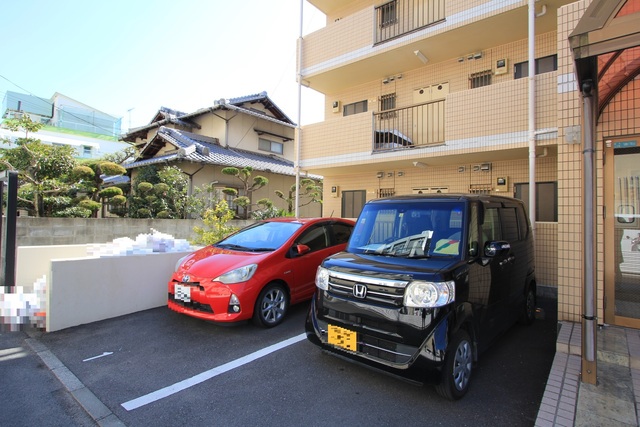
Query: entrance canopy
<point x="606" y="47"/>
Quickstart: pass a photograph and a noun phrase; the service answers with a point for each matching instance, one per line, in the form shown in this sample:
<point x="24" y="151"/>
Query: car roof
<point x="304" y="221"/>
<point x="446" y="197"/>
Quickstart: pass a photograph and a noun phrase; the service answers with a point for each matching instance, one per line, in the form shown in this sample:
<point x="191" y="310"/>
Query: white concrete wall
<point x="87" y="290"/>
<point x="33" y="262"/>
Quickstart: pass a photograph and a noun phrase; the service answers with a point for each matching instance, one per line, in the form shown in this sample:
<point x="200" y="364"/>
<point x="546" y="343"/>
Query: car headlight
<point x="238" y="275"/>
<point x="322" y="278"/>
<point x="429" y="294"/>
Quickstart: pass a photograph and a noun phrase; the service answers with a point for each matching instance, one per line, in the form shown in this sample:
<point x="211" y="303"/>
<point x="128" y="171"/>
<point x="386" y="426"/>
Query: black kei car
<point x="426" y="283"/>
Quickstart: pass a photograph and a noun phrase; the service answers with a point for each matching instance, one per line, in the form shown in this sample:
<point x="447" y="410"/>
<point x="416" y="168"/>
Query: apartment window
<point x="545" y="64"/>
<point x="271" y="146"/>
<point x="355" y="108"/>
<point x="388" y="102"/>
<point x="387" y="14"/>
<point x="353" y="202"/>
<point x="482" y="78"/>
<point x="546" y="200"/>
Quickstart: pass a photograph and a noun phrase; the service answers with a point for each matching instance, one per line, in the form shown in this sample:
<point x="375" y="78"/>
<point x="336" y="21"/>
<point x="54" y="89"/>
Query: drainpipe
<point x="298" y="128"/>
<point x="532" y="111"/>
<point x="532" y="115"/>
<point x="589" y="262"/>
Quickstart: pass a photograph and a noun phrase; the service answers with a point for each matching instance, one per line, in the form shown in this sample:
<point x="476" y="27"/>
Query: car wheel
<point x="271" y="306"/>
<point x="529" y="307"/>
<point x="456" y="373"/>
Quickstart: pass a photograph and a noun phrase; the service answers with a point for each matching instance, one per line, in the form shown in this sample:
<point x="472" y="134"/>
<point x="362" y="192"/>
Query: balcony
<point x="371" y="43"/>
<point x="491" y="118"/>
<point x="415" y="126"/>
<point x="399" y="17"/>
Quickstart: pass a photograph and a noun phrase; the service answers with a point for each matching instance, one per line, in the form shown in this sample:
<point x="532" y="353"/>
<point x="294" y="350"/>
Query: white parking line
<point x="197" y="379"/>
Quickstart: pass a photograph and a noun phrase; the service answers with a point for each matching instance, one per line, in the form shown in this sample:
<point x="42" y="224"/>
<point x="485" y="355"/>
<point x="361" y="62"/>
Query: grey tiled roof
<point x="203" y="149"/>
<point x="241" y="104"/>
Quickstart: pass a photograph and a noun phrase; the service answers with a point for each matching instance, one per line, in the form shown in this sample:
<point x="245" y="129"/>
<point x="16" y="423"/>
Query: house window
<point x="355" y="108"/>
<point x="86" y="151"/>
<point x="387" y="14"/>
<point x="271" y="146"/>
<point x="545" y="64"/>
<point x="546" y="200"/>
<point x="483" y="78"/>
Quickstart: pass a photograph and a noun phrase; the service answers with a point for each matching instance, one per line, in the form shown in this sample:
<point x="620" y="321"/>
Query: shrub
<point x="164" y="215"/>
<point x="110" y="192"/>
<point x="73" y="212"/>
<point x="90" y="205"/>
<point x="216" y="222"/>
<point x="144" y="213"/>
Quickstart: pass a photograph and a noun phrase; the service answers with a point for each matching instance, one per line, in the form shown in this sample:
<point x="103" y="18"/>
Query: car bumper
<point x="417" y="356"/>
<point x="212" y="306"/>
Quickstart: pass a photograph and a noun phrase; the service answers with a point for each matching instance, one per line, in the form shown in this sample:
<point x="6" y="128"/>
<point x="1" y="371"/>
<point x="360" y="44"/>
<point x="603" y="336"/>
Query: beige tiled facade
<point x="483" y="125"/>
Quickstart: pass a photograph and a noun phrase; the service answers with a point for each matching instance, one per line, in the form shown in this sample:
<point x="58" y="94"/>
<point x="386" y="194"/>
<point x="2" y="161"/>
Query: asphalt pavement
<point x="160" y="368"/>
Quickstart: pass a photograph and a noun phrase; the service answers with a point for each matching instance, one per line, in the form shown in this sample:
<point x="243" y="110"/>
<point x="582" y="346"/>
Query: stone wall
<point x="70" y="231"/>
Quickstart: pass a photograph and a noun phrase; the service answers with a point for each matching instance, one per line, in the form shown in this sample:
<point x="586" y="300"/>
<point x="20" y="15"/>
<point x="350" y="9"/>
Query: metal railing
<point x="399" y="17"/>
<point x="406" y="128"/>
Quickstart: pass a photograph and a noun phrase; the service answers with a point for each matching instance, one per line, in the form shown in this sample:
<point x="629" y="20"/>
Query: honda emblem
<point x="359" y="291"/>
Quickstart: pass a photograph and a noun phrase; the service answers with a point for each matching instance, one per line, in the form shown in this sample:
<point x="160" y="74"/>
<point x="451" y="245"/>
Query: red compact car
<point x="258" y="271"/>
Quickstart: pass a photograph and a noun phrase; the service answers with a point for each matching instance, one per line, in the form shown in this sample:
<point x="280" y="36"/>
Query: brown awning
<point x="606" y="46"/>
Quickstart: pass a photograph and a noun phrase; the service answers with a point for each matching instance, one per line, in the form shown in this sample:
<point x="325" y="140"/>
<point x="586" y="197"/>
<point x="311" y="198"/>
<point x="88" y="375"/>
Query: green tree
<point x="249" y="185"/>
<point x="216" y="227"/>
<point x="175" y="192"/>
<point x="119" y="157"/>
<point x="203" y="198"/>
<point x="41" y="168"/>
<point x="310" y="192"/>
<point x="88" y="177"/>
<point x="160" y="193"/>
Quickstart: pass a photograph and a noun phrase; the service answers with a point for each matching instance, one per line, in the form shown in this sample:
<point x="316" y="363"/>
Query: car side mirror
<point x="495" y="248"/>
<point x="299" y="250"/>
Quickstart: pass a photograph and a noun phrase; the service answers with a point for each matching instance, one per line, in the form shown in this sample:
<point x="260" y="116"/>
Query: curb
<point x="100" y="413"/>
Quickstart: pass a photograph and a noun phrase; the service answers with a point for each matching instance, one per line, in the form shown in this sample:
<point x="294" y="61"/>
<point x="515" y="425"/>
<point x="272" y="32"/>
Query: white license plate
<point x="182" y="293"/>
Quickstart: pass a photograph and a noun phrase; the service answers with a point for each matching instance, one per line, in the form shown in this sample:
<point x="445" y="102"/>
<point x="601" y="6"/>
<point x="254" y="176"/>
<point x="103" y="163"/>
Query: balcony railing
<point x="405" y="128"/>
<point x="399" y="17"/>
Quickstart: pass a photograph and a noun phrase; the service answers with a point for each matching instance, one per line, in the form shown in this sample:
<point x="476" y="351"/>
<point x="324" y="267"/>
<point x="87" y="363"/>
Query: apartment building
<point x="427" y="96"/>
<point x="66" y="122"/>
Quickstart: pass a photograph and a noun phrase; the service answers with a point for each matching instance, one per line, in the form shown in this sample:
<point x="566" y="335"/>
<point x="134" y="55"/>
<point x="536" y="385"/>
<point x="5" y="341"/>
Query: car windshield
<point x="260" y="237"/>
<point x="409" y="229"/>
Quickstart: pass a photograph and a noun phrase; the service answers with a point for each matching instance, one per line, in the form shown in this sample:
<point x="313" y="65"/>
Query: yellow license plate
<point x="343" y="338"/>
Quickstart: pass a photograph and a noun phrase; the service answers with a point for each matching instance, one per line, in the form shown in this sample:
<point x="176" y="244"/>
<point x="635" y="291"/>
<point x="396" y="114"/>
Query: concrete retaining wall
<point x="83" y="290"/>
<point x="33" y="262"/>
<point x="91" y="289"/>
<point x="71" y="231"/>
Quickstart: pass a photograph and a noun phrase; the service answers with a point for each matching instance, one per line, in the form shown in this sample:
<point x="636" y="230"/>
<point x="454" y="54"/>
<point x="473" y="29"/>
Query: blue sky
<point x="128" y="58"/>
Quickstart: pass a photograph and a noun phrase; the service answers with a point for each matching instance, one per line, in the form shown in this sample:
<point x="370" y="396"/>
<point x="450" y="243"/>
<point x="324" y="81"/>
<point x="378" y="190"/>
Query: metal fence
<point x="404" y="128"/>
<point x="399" y="17"/>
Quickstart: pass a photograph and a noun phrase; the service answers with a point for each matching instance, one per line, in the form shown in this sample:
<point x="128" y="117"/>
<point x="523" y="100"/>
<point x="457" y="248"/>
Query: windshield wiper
<point x="231" y="246"/>
<point x="261" y="249"/>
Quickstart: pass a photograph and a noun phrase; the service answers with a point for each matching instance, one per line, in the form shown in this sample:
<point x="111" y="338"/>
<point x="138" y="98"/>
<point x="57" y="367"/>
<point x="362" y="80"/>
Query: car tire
<point x="456" y="373"/>
<point x="528" y="314"/>
<point x="271" y="306"/>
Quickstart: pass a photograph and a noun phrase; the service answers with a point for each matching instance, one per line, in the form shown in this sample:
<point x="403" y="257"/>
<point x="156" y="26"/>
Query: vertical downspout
<point x="589" y="362"/>
<point x="532" y="115"/>
<point x="298" y="128"/>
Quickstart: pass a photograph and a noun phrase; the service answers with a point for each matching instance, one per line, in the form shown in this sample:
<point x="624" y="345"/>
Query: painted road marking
<point x="106" y="353"/>
<point x="197" y="379"/>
